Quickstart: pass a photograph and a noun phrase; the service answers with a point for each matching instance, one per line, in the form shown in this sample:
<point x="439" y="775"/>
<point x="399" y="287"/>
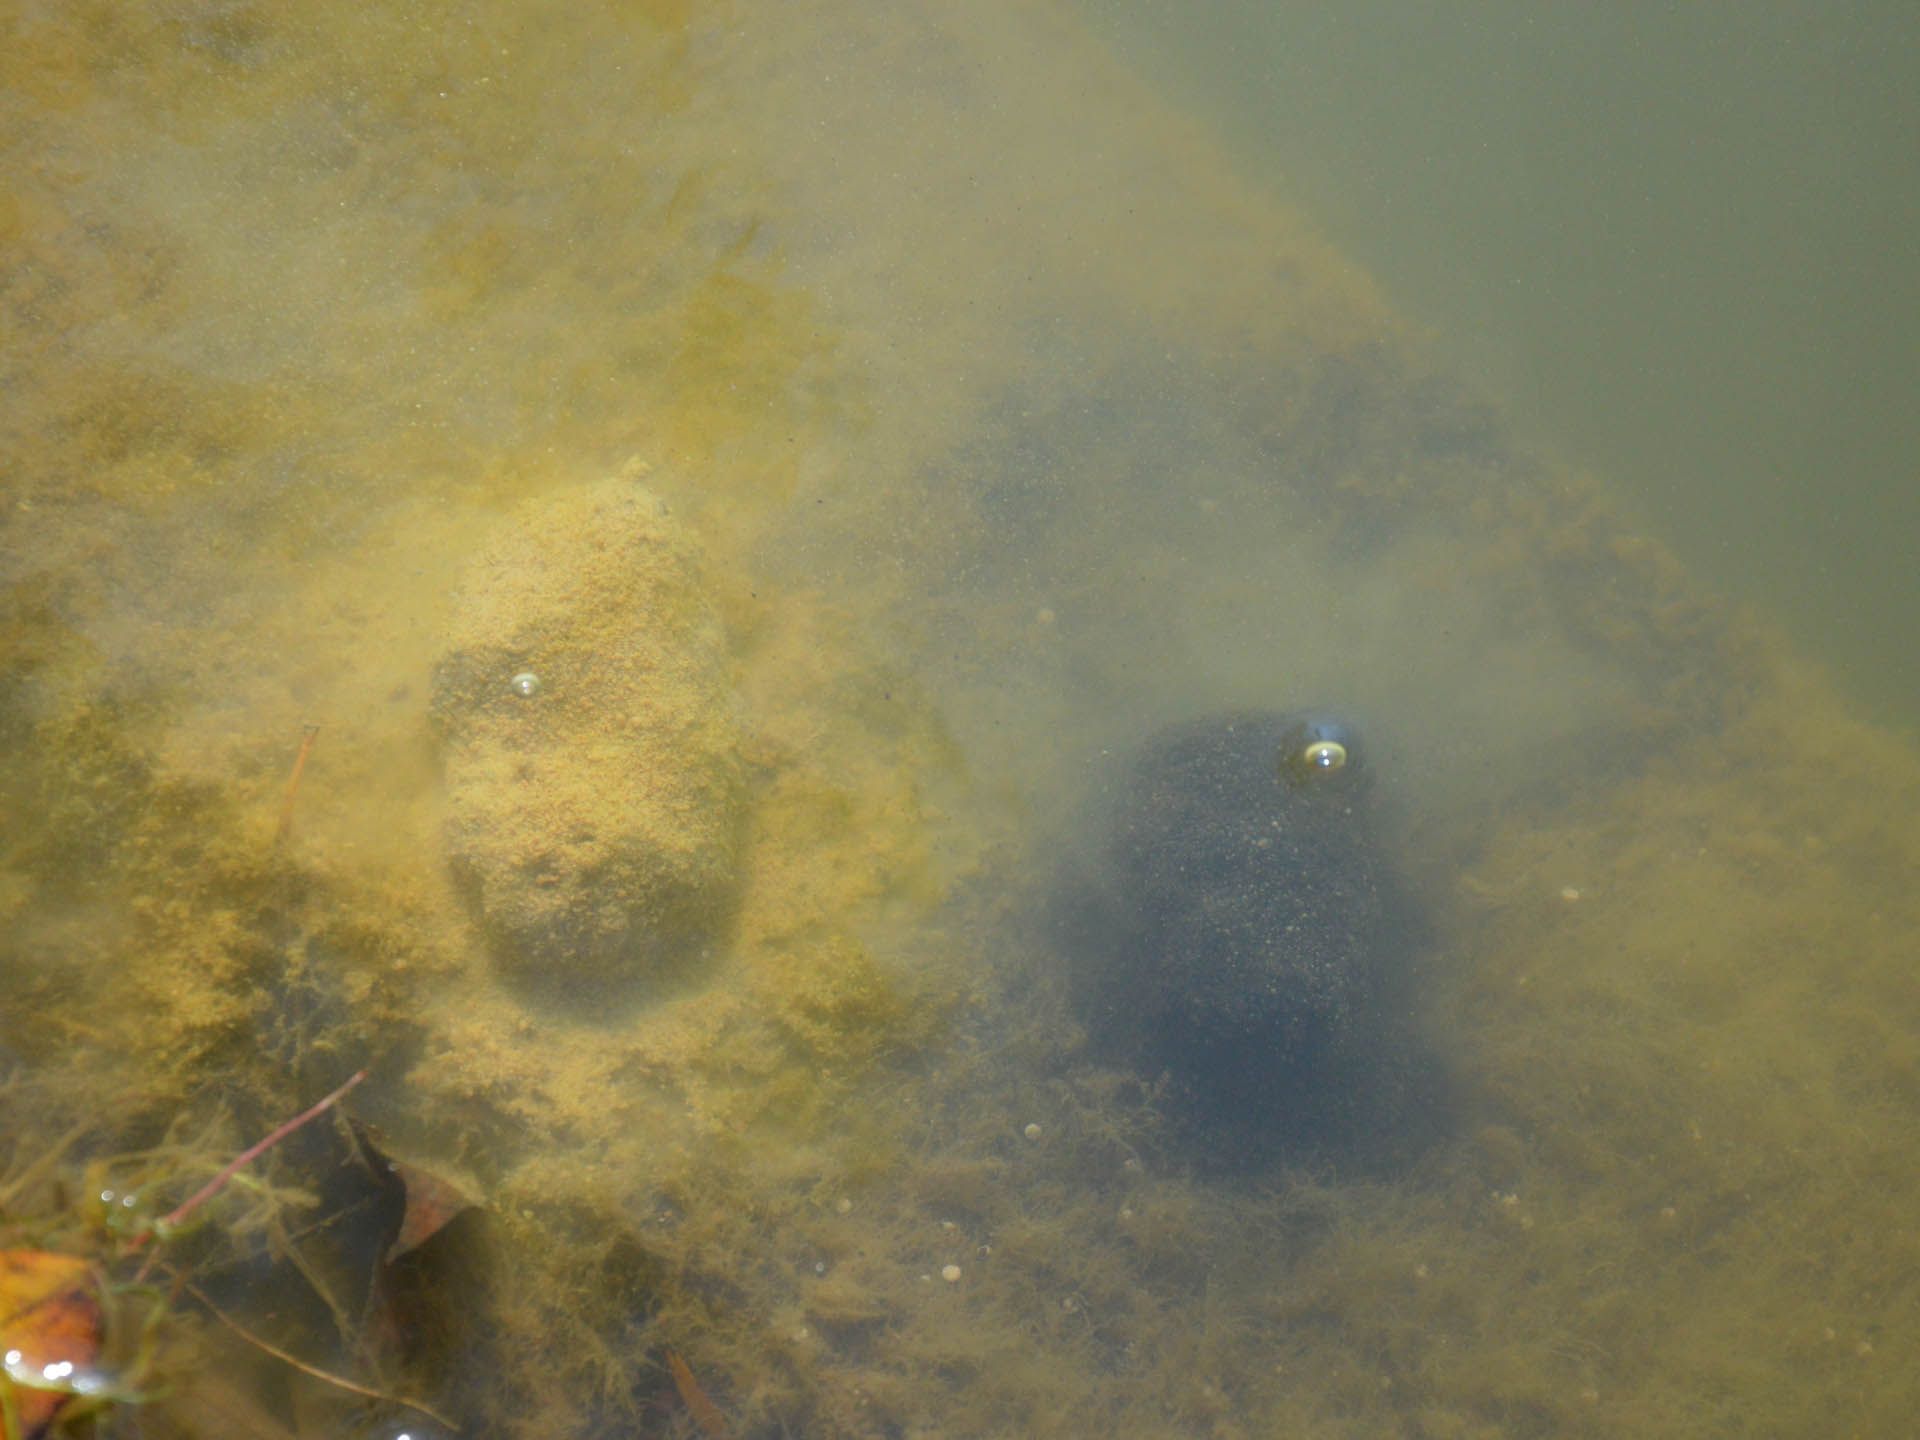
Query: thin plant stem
<point x="178" y="1215"/>
<point x="341" y="1381"/>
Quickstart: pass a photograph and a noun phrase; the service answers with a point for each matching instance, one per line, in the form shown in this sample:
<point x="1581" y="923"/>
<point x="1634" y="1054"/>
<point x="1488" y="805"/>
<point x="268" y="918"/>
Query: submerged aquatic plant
<point x="90" y="1289"/>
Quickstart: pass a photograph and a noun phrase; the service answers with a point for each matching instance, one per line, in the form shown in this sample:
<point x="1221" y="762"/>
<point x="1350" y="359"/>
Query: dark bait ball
<point x="1244" y="934"/>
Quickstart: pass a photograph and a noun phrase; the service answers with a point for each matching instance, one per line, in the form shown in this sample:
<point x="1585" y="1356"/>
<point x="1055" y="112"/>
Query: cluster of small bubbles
<point x="526" y="684"/>
<point x="119" y="1211"/>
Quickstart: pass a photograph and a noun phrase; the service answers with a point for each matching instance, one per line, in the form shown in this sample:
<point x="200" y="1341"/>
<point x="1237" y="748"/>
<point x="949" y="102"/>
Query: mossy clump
<point x="594" y="788"/>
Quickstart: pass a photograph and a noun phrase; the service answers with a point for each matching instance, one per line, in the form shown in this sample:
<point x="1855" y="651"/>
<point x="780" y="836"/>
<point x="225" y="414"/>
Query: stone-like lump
<point x="593" y="816"/>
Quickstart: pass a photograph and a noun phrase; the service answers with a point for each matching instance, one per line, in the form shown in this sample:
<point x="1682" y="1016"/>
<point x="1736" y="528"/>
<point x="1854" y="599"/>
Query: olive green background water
<point x="1680" y="239"/>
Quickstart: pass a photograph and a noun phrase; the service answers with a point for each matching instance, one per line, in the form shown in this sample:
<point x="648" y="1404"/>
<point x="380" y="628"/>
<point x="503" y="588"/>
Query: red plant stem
<point x="253" y="1152"/>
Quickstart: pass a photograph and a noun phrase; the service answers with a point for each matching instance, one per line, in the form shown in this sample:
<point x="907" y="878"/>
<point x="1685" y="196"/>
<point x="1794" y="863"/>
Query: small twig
<point x="178" y="1215"/>
<point x="293" y="785"/>
<point x="705" y="1413"/>
<point x="341" y="1381"/>
<point x="253" y="1152"/>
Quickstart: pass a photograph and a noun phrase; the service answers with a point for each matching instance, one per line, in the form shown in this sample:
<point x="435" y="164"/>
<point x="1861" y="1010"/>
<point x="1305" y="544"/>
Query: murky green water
<point x="1679" y="240"/>
<point x="599" y="567"/>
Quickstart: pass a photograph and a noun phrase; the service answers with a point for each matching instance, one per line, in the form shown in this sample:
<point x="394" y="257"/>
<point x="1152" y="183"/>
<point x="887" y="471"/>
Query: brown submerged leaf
<point x="432" y="1201"/>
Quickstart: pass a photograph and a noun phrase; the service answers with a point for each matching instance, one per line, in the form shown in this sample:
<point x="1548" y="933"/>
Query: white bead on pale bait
<point x="1324" y="755"/>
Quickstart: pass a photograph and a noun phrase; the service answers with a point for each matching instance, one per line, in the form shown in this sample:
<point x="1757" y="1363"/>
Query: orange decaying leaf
<point x="705" y="1413"/>
<point x="49" y="1326"/>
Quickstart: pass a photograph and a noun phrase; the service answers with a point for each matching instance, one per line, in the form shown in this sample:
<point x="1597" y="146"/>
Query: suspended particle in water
<point x="526" y="684"/>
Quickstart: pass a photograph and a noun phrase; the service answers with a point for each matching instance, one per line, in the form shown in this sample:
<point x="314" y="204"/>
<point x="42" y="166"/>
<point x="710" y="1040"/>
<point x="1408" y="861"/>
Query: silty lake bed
<point x="988" y="423"/>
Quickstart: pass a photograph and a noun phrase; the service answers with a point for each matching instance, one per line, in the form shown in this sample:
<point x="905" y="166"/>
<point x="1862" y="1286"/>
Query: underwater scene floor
<point x="587" y="603"/>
